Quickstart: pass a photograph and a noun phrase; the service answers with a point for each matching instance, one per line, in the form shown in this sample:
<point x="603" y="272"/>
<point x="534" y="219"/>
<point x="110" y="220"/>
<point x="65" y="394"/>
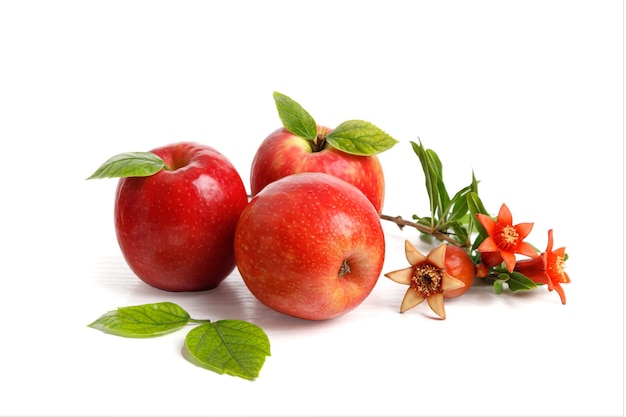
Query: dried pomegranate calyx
<point x="427" y="279"/>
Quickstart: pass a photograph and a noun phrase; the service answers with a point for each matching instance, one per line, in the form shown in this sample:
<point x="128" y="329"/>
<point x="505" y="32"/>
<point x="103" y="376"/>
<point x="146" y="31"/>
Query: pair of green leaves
<point x="454" y="216"/>
<point x="232" y="347"/>
<point x="356" y="137"/>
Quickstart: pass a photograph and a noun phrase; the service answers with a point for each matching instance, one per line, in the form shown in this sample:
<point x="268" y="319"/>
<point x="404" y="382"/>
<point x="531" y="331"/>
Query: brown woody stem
<point x="424" y="229"/>
<point x="319" y="143"/>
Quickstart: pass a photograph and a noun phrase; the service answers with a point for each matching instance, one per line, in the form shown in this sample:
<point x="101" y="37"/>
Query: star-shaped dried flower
<point x="426" y="277"/>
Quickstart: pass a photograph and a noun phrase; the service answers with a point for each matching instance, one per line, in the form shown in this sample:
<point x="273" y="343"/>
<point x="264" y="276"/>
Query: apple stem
<point x="344" y="269"/>
<point x="424" y="229"/>
<point x="319" y="143"/>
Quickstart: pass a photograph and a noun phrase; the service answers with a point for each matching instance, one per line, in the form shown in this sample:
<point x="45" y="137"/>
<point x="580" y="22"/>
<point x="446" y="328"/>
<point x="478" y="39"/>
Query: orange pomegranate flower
<point x="426" y="277"/>
<point x="505" y="238"/>
<point x="548" y="269"/>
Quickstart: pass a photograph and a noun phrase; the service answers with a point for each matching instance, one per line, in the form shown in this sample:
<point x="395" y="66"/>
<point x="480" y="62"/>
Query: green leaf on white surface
<point x="232" y="347"/>
<point x="147" y="320"/>
<point x="358" y="137"/>
<point x="129" y="164"/>
<point x="294" y="117"/>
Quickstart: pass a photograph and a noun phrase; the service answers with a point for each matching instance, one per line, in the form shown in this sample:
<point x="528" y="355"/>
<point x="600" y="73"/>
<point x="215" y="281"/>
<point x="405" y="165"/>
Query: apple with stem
<point x="310" y="245"/>
<point x="176" y="210"/>
<point x="301" y="145"/>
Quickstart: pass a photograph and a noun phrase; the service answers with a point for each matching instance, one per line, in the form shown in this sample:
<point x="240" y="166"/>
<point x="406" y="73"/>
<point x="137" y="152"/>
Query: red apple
<point x="283" y="153"/>
<point x="310" y="245"/>
<point x="176" y="228"/>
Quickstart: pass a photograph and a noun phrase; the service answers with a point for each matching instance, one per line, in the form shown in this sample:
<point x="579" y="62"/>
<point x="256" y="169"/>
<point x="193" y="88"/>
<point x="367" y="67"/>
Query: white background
<point x="528" y="95"/>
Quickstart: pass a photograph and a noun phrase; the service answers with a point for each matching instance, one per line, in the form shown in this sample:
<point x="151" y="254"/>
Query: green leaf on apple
<point x="129" y="164"/>
<point x="232" y="347"/>
<point x="294" y="117"/>
<point x="147" y="320"/>
<point x="358" y="137"/>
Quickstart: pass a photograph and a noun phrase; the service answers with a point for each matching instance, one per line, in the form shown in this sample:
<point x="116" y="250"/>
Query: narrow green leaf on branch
<point x="147" y="320"/>
<point x="459" y="233"/>
<point x="475" y="206"/>
<point x="437" y="194"/>
<point x="443" y="199"/>
<point x="358" y="137"/>
<point x="458" y="204"/>
<point x="129" y="164"/>
<point x="232" y="347"/>
<point x="294" y="117"/>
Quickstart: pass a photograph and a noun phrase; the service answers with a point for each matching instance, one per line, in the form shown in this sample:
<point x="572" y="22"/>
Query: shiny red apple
<point x="283" y="153"/>
<point x="176" y="227"/>
<point x="348" y="151"/>
<point x="310" y="245"/>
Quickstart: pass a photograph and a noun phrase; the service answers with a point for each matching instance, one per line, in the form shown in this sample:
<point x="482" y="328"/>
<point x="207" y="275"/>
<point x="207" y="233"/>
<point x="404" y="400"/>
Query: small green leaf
<point x="233" y="347"/>
<point x="433" y="174"/>
<point x="459" y="204"/>
<point x="425" y="221"/>
<point x="460" y="233"/>
<point x="474" y="184"/>
<point x="129" y="164"/>
<point x="147" y="320"/>
<point x="519" y="282"/>
<point x="431" y="179"/>
<point x="443" y="203"/>
<point x="358" y="137"/>
<point x="476" y="206"/>
<point x="295" y="119"/>
<point x="498" y="286"/>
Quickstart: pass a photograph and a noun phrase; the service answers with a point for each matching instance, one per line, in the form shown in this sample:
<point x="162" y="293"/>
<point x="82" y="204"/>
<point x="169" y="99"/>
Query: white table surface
<point x="528" y="95"/>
